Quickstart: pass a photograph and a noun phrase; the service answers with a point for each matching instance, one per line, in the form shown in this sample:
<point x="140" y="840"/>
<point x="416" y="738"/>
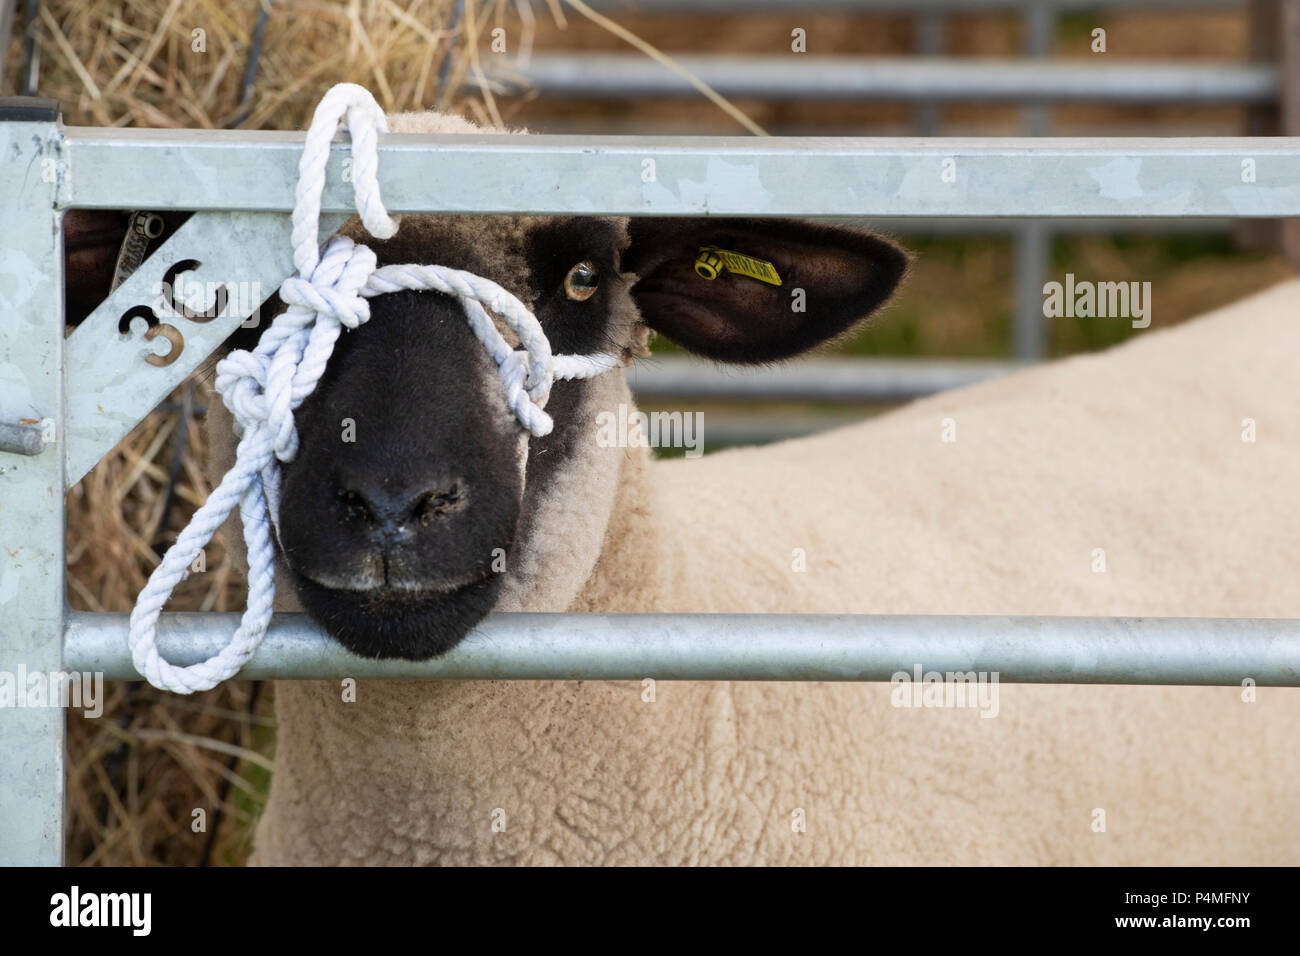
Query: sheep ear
<point x="756" y="290"/>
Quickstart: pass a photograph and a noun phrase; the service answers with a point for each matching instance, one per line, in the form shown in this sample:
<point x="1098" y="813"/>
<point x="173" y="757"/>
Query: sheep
<point x="388" y="543"/>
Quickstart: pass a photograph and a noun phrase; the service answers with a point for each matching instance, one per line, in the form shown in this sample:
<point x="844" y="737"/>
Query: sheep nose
<point x="394" y="510"/>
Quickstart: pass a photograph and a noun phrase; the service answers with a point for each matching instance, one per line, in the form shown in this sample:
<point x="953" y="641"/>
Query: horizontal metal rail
<point x="816" y="647"/>
<point x="695" y="176"/>
<point x="1059" y="226"/>
<point x="911" y="78"/>
<point x="818" y="380"/>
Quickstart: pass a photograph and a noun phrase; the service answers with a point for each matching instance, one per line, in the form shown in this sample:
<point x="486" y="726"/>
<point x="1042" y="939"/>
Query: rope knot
<point x="333" y="289"/>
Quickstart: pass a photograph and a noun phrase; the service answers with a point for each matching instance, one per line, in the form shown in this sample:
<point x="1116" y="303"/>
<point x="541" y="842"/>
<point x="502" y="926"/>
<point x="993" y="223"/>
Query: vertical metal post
<point x="1033" y="241"/>
<point x="1262" y="118"/>
<point x="1289" y="80"/>
<point x="32" y="167"/>
<point x="931" y="32"/>
<point x="1033" y="237"/>
<point x="31" y="50"/>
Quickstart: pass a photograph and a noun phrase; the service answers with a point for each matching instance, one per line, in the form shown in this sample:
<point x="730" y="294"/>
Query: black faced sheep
<point x="391" y="541"/>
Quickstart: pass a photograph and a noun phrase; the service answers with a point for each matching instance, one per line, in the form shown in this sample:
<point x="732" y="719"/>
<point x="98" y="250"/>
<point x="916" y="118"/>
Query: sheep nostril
<point x="439" y="503"/>
<point x="389" y="511"/>
<point x="356" y="506"/>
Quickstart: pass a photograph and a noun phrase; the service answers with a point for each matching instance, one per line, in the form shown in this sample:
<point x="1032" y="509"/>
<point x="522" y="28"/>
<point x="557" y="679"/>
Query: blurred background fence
<point x="953" y="67"/>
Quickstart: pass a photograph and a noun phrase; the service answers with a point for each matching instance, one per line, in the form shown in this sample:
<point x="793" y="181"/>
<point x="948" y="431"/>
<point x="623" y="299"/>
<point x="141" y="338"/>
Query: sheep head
<point x="417" y="504"/>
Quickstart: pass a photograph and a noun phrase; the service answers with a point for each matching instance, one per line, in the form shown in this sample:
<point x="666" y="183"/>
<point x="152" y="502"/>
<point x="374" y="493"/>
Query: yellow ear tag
<point x="712" y="261"/>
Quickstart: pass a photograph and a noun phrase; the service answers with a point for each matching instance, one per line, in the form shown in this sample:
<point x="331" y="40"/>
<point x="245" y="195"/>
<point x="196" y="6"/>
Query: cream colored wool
<point x="1137" y="451"/>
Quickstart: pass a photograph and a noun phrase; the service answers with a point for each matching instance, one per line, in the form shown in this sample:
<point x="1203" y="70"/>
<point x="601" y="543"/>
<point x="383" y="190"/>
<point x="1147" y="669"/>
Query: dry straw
<point x="181" y="63"/>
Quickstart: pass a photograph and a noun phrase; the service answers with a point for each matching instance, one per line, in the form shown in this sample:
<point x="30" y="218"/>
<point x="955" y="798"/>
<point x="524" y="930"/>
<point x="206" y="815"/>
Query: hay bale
<point x="181" y="63"/>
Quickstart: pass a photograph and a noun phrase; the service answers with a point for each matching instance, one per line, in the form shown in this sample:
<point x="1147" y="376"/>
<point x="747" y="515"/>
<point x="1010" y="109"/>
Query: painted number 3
<point x="157" y="327"/>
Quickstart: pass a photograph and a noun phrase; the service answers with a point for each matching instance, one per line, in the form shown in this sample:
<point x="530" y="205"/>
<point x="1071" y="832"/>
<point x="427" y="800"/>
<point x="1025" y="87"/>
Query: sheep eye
<point x="580" y="284"/>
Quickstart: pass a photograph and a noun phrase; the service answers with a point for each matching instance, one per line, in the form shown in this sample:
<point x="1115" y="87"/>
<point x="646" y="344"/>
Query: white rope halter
<point x="263" y="387"/>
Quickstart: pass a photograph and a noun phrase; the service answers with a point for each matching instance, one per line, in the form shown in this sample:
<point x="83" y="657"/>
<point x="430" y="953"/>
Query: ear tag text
<point x="712" y="261"/>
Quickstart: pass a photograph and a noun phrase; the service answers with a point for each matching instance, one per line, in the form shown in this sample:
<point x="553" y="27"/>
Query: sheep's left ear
<point x="756" y="290"/>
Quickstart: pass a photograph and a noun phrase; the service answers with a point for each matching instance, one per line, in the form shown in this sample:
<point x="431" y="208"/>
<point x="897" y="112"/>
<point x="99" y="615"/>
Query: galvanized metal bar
<point x="907" y="78"/>
<point x="1063" y="226"/>
<point x="111" y="383"/>
<point x="1039" y="25"/>
<point x="31" y="69"/>
<point x="820" y="647"/>
<point x="1029" y="331"/>
<point x="1029" y="337"/>
<point x="817" y="380"/>
<point x="696" y="176"/>
<point x="930" y="32"/>
<point x="32" y="162"/>
<point x="1288" y="114"/>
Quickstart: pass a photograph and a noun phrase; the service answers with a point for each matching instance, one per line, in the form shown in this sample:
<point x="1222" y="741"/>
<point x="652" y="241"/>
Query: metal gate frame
<point x="65" y="403"/>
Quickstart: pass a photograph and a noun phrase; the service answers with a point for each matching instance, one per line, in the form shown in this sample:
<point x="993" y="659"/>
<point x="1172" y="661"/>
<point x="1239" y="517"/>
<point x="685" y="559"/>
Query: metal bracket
<point x="116" y="372"/>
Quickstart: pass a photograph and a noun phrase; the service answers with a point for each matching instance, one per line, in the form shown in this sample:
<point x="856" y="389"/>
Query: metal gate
<point x="64" y="403"/>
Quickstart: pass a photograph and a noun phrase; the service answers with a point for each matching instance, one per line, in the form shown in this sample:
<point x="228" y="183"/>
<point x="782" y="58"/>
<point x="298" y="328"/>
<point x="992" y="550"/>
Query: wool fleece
<point x="1154" y="479"/>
